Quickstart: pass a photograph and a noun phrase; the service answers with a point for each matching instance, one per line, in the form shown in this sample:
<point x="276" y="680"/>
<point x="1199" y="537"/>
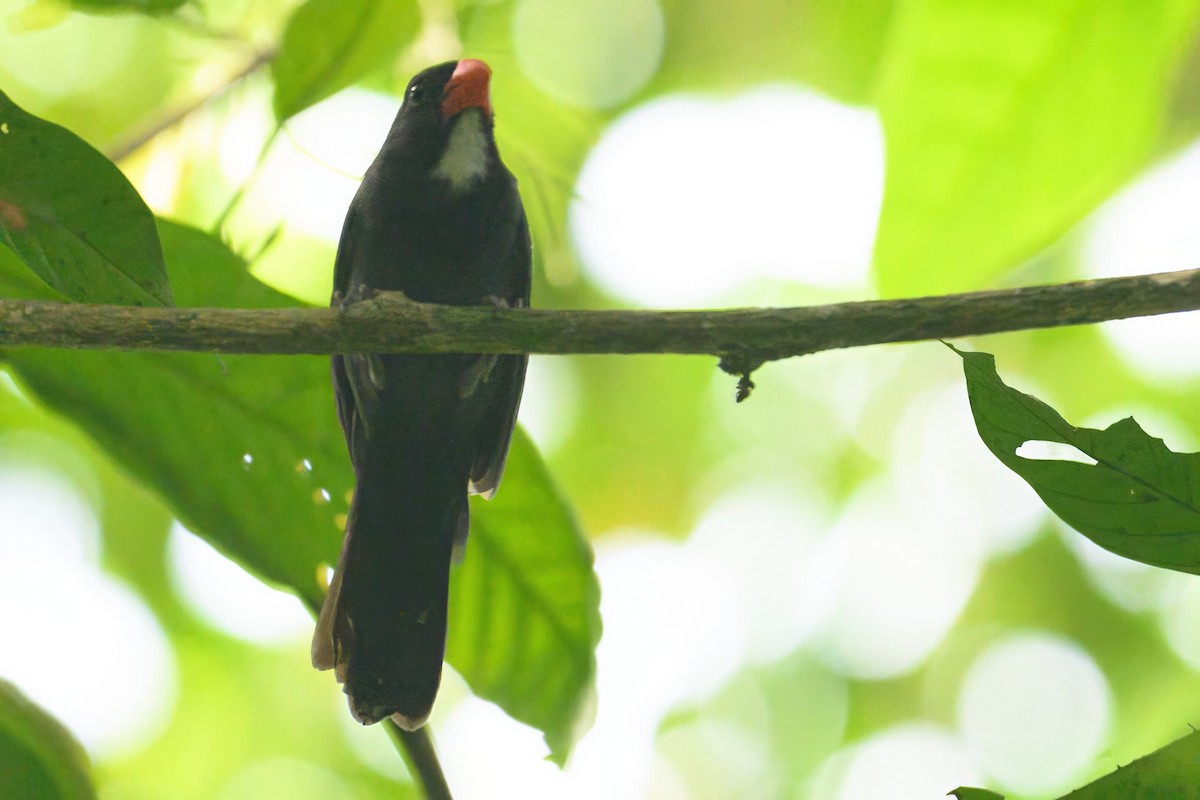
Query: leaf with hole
<point x="1138" y="499"/>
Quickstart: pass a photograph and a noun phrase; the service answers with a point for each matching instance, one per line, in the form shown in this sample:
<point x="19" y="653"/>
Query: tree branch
<point x="742" y="338"/>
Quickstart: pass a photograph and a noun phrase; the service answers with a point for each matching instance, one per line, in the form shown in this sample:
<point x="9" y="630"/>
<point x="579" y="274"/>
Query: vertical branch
<point x="416" y="748"/>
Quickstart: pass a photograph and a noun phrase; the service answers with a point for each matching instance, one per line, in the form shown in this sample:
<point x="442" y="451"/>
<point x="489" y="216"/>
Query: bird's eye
<point x="417" y="93"/>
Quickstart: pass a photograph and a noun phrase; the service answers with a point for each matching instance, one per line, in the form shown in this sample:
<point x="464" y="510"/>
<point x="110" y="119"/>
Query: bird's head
<point x="447" y="109"/>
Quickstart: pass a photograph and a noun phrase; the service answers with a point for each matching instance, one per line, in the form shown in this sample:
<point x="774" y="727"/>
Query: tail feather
<point x="383" y="624"/>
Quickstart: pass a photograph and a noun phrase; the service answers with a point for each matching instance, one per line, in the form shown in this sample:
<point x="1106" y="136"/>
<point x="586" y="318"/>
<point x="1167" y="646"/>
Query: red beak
<point x="467" y="88"/>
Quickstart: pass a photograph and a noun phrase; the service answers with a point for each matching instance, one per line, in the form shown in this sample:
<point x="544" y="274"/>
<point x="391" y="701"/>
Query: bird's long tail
<point x="383" y="624"/>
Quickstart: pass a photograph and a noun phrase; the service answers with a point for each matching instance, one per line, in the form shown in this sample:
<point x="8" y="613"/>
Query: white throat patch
<point x="465" y="159"/>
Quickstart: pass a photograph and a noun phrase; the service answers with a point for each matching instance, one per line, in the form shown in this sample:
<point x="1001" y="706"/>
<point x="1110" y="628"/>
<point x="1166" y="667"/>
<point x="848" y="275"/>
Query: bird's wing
<point x="357" y="379"/>
<point x="507" y="378"/>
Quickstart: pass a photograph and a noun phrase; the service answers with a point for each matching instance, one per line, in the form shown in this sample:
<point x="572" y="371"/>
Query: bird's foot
<point x="357" y="294"/>
<point x="496" y="301"/>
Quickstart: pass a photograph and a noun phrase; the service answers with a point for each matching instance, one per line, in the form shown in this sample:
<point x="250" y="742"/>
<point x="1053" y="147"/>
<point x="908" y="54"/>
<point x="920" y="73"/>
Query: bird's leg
<point x="481" y="369"/>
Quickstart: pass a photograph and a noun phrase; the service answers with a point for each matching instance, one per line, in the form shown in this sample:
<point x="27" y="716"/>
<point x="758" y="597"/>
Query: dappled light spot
<point x="1130" y="584"/>
<point x="789" y="189"/>
<point x="914" y="761"/>
<point x="979" y="507"/>
<point x="320" y="496"/>
<point x="550" y="402"/>
<point x="1034" y="710"/>
<point x="592" y="53"/>
<point x="1151" y="227"/>
<point x="764" y="538"/>
<point x="1180" y="618"/>
<point x="108" y="672"/>
<point x="1037" y="450"/>
<point x="893" y="586"/>
<point x="229" y="598"/>
<point x="324" y="577"/>
<point x="482" y="748"/>
<point x="43" y="515"/>
<point x="310" y="174"/>
<point x="49" y="539"/>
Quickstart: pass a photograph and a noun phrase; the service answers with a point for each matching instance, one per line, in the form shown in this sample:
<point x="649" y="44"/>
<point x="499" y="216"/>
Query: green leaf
<point x="73" y="218"/>
<point x="967" y="793"/>
<point x="525" y="603"/>
<point x="183" y="423"/>
<point x="39" y="759"/>
<point x="1007" y="122"/>
<point x="1139" y="500"/>
<point x="331" y="44"/>
<point x="1171" y="772"/>
<point x="524" y="616"/>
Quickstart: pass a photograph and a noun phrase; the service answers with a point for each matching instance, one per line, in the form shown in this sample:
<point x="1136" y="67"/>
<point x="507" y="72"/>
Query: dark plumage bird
<point x="437" y="217"/>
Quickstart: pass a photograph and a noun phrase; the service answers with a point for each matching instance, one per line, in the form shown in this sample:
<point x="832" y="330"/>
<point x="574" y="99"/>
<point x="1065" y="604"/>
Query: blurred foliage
<point x="331" y="44"/>
<point x="1002" y="130"/>
<point x="39" y="760"/>
<point x="1005" y="123"/>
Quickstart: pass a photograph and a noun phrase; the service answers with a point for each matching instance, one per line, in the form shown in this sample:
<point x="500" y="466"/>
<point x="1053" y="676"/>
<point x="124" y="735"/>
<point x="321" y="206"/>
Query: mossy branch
<point x="742" y="338"/>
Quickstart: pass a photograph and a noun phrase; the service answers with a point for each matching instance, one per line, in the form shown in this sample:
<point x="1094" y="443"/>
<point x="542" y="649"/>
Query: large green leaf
<point x="223" y="440"/>
<point x="331" y="44"/>
<point x="1139" y="500"/>
<point x="1007" y="122"/>
<point x="39" y="759"/>
<point x="73" y="218"/>
<point x="247" y="452"/>
<point x="525" y="603"/>
<point x="1171" y="772"/>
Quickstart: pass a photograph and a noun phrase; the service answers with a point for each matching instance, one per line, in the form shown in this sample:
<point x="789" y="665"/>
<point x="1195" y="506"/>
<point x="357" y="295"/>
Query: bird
<point x="438" y="217"/>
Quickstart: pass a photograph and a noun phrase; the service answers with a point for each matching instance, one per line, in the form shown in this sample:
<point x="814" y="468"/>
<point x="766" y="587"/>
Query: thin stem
<point x="131" y="145"/>
<point x="416" y="748"/>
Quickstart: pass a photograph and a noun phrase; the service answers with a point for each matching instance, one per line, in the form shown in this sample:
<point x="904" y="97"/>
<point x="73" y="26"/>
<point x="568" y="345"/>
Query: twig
<point x="416" y="748"/>
<point x="742" y="338"/>
<point x="131" y="145"/>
